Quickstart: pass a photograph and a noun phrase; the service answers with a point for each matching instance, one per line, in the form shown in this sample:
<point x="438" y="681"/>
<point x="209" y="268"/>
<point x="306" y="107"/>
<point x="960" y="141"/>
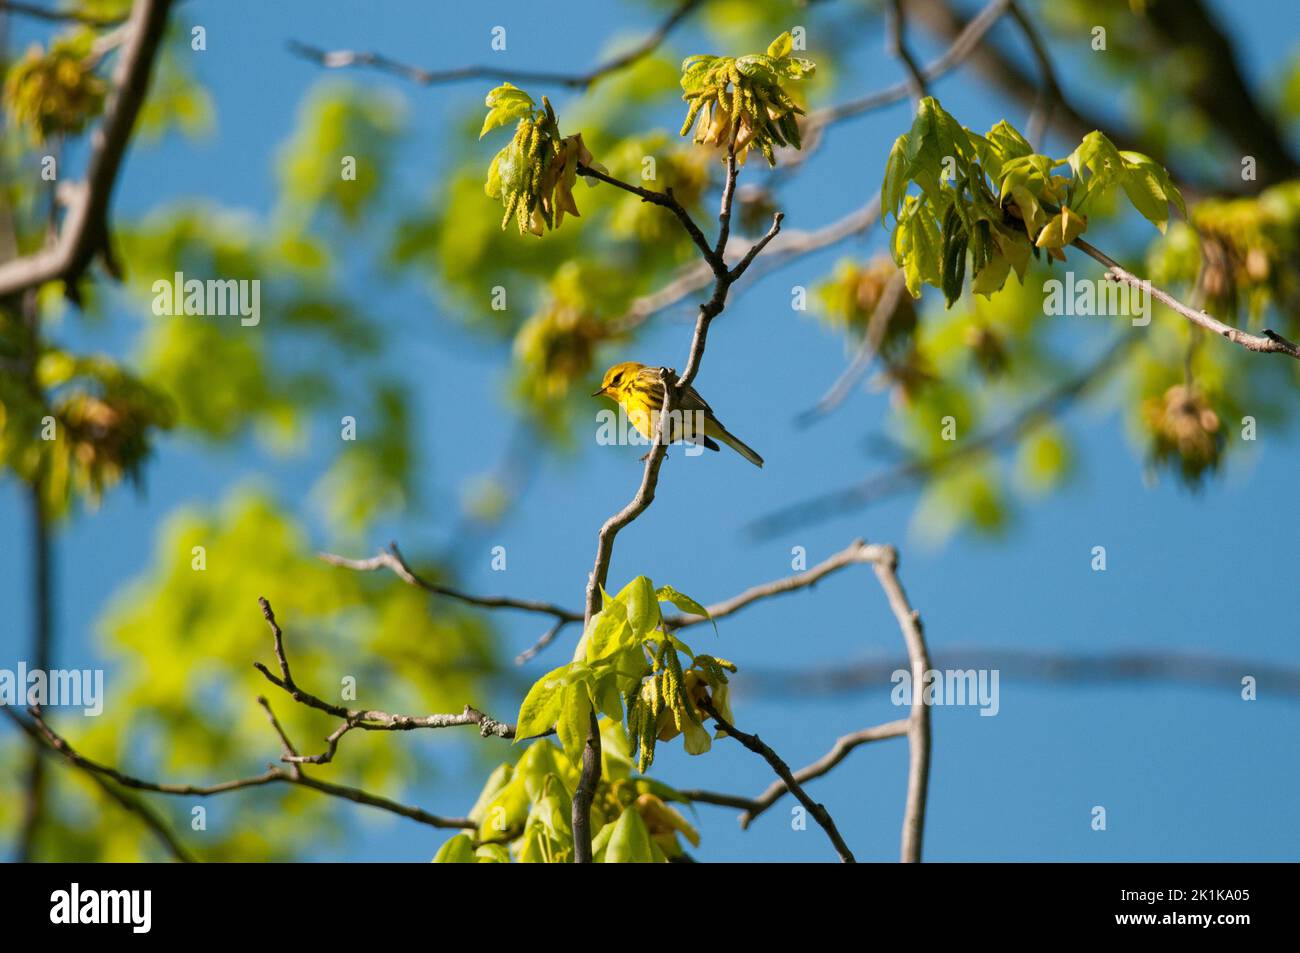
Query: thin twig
<point x="339" y="59"/>
<point x="898" y="46"/>
<point x="549" y="636"/>
<point x="57" y="16"/>
<point x="665" y="199"/>
<point x="918" y="731"/>
<point x="856" y="552"/>
<point x="879" y="486"/>
<point x="1269" y="342"/>
<point x="884" y="312"/>
<point x="85" y="226"/>
<point x="148" y="816"/>
<point x="272" y="775"/>
<point x="370" y="719"/>
<point x="753" y="807"/>
<point x="392" y="559"/>
<point x="756" y="745"/>
<point x="1049" y="91"/>
<point x="961" y="46"/>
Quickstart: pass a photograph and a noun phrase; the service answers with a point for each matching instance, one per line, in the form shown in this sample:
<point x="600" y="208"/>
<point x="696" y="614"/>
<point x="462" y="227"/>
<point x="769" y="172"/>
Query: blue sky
<point x="1185" y="773"/>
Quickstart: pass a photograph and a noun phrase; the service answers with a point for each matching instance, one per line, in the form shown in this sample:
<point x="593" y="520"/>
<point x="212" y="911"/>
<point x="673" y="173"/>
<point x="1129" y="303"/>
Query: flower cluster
<point x="741" y="99"/>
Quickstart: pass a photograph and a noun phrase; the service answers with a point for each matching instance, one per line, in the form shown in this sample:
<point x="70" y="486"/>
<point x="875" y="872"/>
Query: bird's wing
<point x="649" y="380"/>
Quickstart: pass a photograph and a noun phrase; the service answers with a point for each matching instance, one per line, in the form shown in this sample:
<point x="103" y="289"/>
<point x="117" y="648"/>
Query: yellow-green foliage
<point x="743" y="99"/>
<point x="56" y="91"/>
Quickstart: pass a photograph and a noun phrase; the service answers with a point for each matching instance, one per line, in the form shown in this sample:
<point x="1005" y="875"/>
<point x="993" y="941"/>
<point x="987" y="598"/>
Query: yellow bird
<point x="637" y="390"/>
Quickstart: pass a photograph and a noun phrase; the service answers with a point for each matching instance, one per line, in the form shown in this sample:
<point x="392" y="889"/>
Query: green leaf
<point x="497" y="780"/>
<point x="1148" y="179"/>
<point x="894" y="186"/>
<point x="992" y="276"/>
<point x="1144" y="191"/>
<point x="629" y="842"/>
<point x="685" y="603"/>
<point x="1099" y="156"/>
<point x="1062" y="229"/>
<point x="505" y="103"/>
<point x="458" y="850"/>
<point x="609" y="633"/>
<point x="600" y="843"/>
<point x="507" y="810"/>
<point x="574" y="722"/>
<point x="609" y="699"/>
<point x="542" y="704"/>
<point x="1010" y="143"/>
<point x="492" y="854"/>
<point x="928" y="142"/>
<point x="781" y="46"/>
<point x="642" y="606"/>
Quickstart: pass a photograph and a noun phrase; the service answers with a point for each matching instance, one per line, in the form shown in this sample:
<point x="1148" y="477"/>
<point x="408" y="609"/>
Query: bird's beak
<point x="599" y="392"/>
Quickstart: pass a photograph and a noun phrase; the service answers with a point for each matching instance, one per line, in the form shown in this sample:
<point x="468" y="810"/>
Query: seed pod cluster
<point x="742" y="99"/>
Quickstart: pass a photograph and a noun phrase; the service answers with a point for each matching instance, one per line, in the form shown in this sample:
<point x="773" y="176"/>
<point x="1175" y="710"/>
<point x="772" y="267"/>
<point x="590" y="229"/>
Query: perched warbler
<point x="636" y="388"/>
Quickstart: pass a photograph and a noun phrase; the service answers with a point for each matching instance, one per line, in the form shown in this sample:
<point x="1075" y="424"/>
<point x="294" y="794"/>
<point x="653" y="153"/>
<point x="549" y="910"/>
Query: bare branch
<point x="823" y="765"/>
<point x="272" y="775"/>
<point x="674" y="388"/>
<point x="340" y="59"/>
<point x="918" y="730"/>
<point x="666" y="200"/>
<point x="754" y="744"/>
<point x="856" y="552"/>
<point x="843" y="746"/>
<point x="898" y="45"/>
<point x="1054" y="667"/>
<point x="549" y="636"/>
<point x="783" y="248"/>
<point x="57" y="16"/>
<point x="1049" y="92"/>
<point x="882" y="485"/>
<point x="366" y="719"/>
<point x="963" y="43"/>
<point x="156" y="824"/>
<point x="869" y="346"/>
<point x="84" y="232"/>
<point x="392" y="559"/>
<point x="1270" y="342"/>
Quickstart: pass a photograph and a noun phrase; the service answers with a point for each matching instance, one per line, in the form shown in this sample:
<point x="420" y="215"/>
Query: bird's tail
<point x="735" y="443"/>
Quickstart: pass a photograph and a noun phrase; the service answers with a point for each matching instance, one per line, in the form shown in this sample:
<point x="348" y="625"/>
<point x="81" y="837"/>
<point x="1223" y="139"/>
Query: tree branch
<point x="392" y="559"/>
<point x="147" y="815"/>
<point x="57" y="16"/>
<point x="918" y="730"/>
<point x="881" y="485"/>
<point x="674" y="388"/>
<point x="85" y="230"/>
<point x="898" y="46"/>
<point x="754" y="744"/>
<point x="712" y="254"/>
<point x="843" y="746"/>
<point x="1270" y="342"/>
<point x="273" y="775"/>
<point x="339" y="59"/>
<point x="366" y="719"/>
<point x="869" y="346"/>
<point x="856" y="552"/>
